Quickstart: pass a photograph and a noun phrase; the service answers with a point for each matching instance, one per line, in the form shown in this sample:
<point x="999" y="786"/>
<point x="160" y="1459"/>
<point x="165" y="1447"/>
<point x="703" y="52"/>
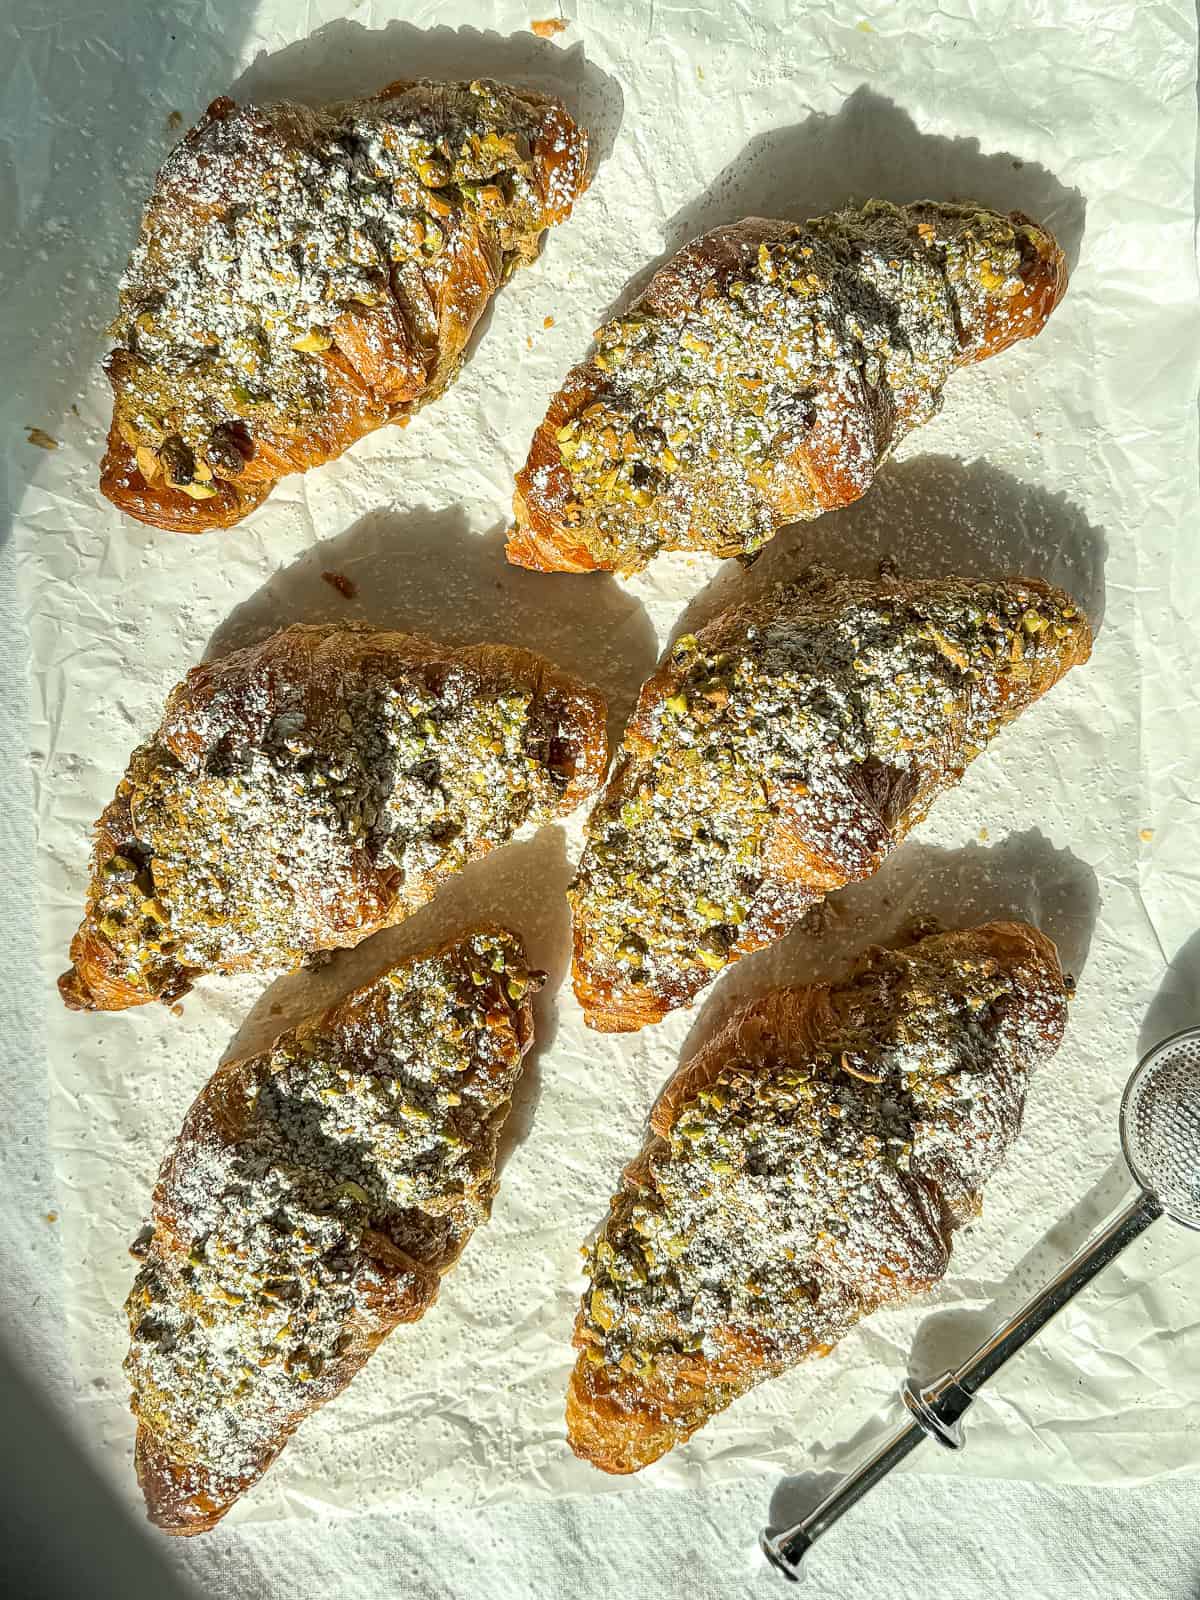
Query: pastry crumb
<point x="139" y="1246"/>
<point x="52" y="1216"/>
<point x="1145" y="835"/>
<point x="345" y="586"/>
<point x="549" y="27"/>
<point x="547" y="322"/>
<point x="39" y="437"/>
<point x="174" y="121"/>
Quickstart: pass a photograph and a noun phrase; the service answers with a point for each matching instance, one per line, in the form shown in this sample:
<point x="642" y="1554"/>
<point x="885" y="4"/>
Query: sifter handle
<point x="1133" y="1219"/>
<point x="938" y="1409"/>
<point x="787" y="1550"/>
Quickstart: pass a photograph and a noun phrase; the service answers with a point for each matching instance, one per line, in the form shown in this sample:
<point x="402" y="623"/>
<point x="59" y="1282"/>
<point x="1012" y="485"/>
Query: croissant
<point x="313" y="1200"/>
<point x="305" y="792"/>
<point x="766" y="373"/>
<point x="810" y="1166"/>
<point x="780" y="754"/>
<point x="304" y="276"/>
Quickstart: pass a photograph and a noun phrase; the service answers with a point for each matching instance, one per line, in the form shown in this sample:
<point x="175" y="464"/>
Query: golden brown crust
<point x="234" y="1341"/>
<point x="370" y="363"/>
<point x="895" y="1039"/>
<point x="782" y="753"/>
<point x="305" y="792"/>
<point x="765" y="373"/>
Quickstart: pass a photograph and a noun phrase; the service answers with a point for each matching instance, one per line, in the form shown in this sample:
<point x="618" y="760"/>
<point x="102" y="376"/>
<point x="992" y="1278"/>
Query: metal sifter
<point x="1160" y="1137"/>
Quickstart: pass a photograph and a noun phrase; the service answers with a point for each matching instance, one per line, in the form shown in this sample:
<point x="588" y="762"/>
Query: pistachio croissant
<point x="307" y="791"/>
<point x="315" y="1197"/>
<point x="781" y="753"/>
<point x="809" y="1166"/>
<point x="305" y="276"/>
<point x="766" y="373"/>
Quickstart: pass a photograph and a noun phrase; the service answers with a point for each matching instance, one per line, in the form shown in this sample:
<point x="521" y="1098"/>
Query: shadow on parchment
<point x="99" y="1550"/>
<point x="424" y="571"/>
<point x="1023" y="877"/>
<point x="870" y="149"/>
<point x="522" y="886"/>
<point x="933" y="517"/>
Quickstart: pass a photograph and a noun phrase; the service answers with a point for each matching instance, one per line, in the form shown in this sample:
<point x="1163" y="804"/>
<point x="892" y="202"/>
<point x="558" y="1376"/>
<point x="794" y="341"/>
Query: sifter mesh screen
<point x="1160" y="1126"/>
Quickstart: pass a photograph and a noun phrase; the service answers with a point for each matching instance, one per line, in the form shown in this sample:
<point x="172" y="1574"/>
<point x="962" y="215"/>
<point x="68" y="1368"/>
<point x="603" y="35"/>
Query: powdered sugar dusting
<point x="1084" y="429"/>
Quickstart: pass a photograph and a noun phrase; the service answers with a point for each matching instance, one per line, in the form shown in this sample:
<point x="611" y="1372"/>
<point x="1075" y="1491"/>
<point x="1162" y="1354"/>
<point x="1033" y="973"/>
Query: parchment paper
<point x="1073" y="457"/>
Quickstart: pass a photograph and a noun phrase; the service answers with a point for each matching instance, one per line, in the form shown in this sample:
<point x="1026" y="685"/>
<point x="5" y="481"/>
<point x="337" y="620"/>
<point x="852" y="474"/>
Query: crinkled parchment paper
<point x="1072" y="457"/>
